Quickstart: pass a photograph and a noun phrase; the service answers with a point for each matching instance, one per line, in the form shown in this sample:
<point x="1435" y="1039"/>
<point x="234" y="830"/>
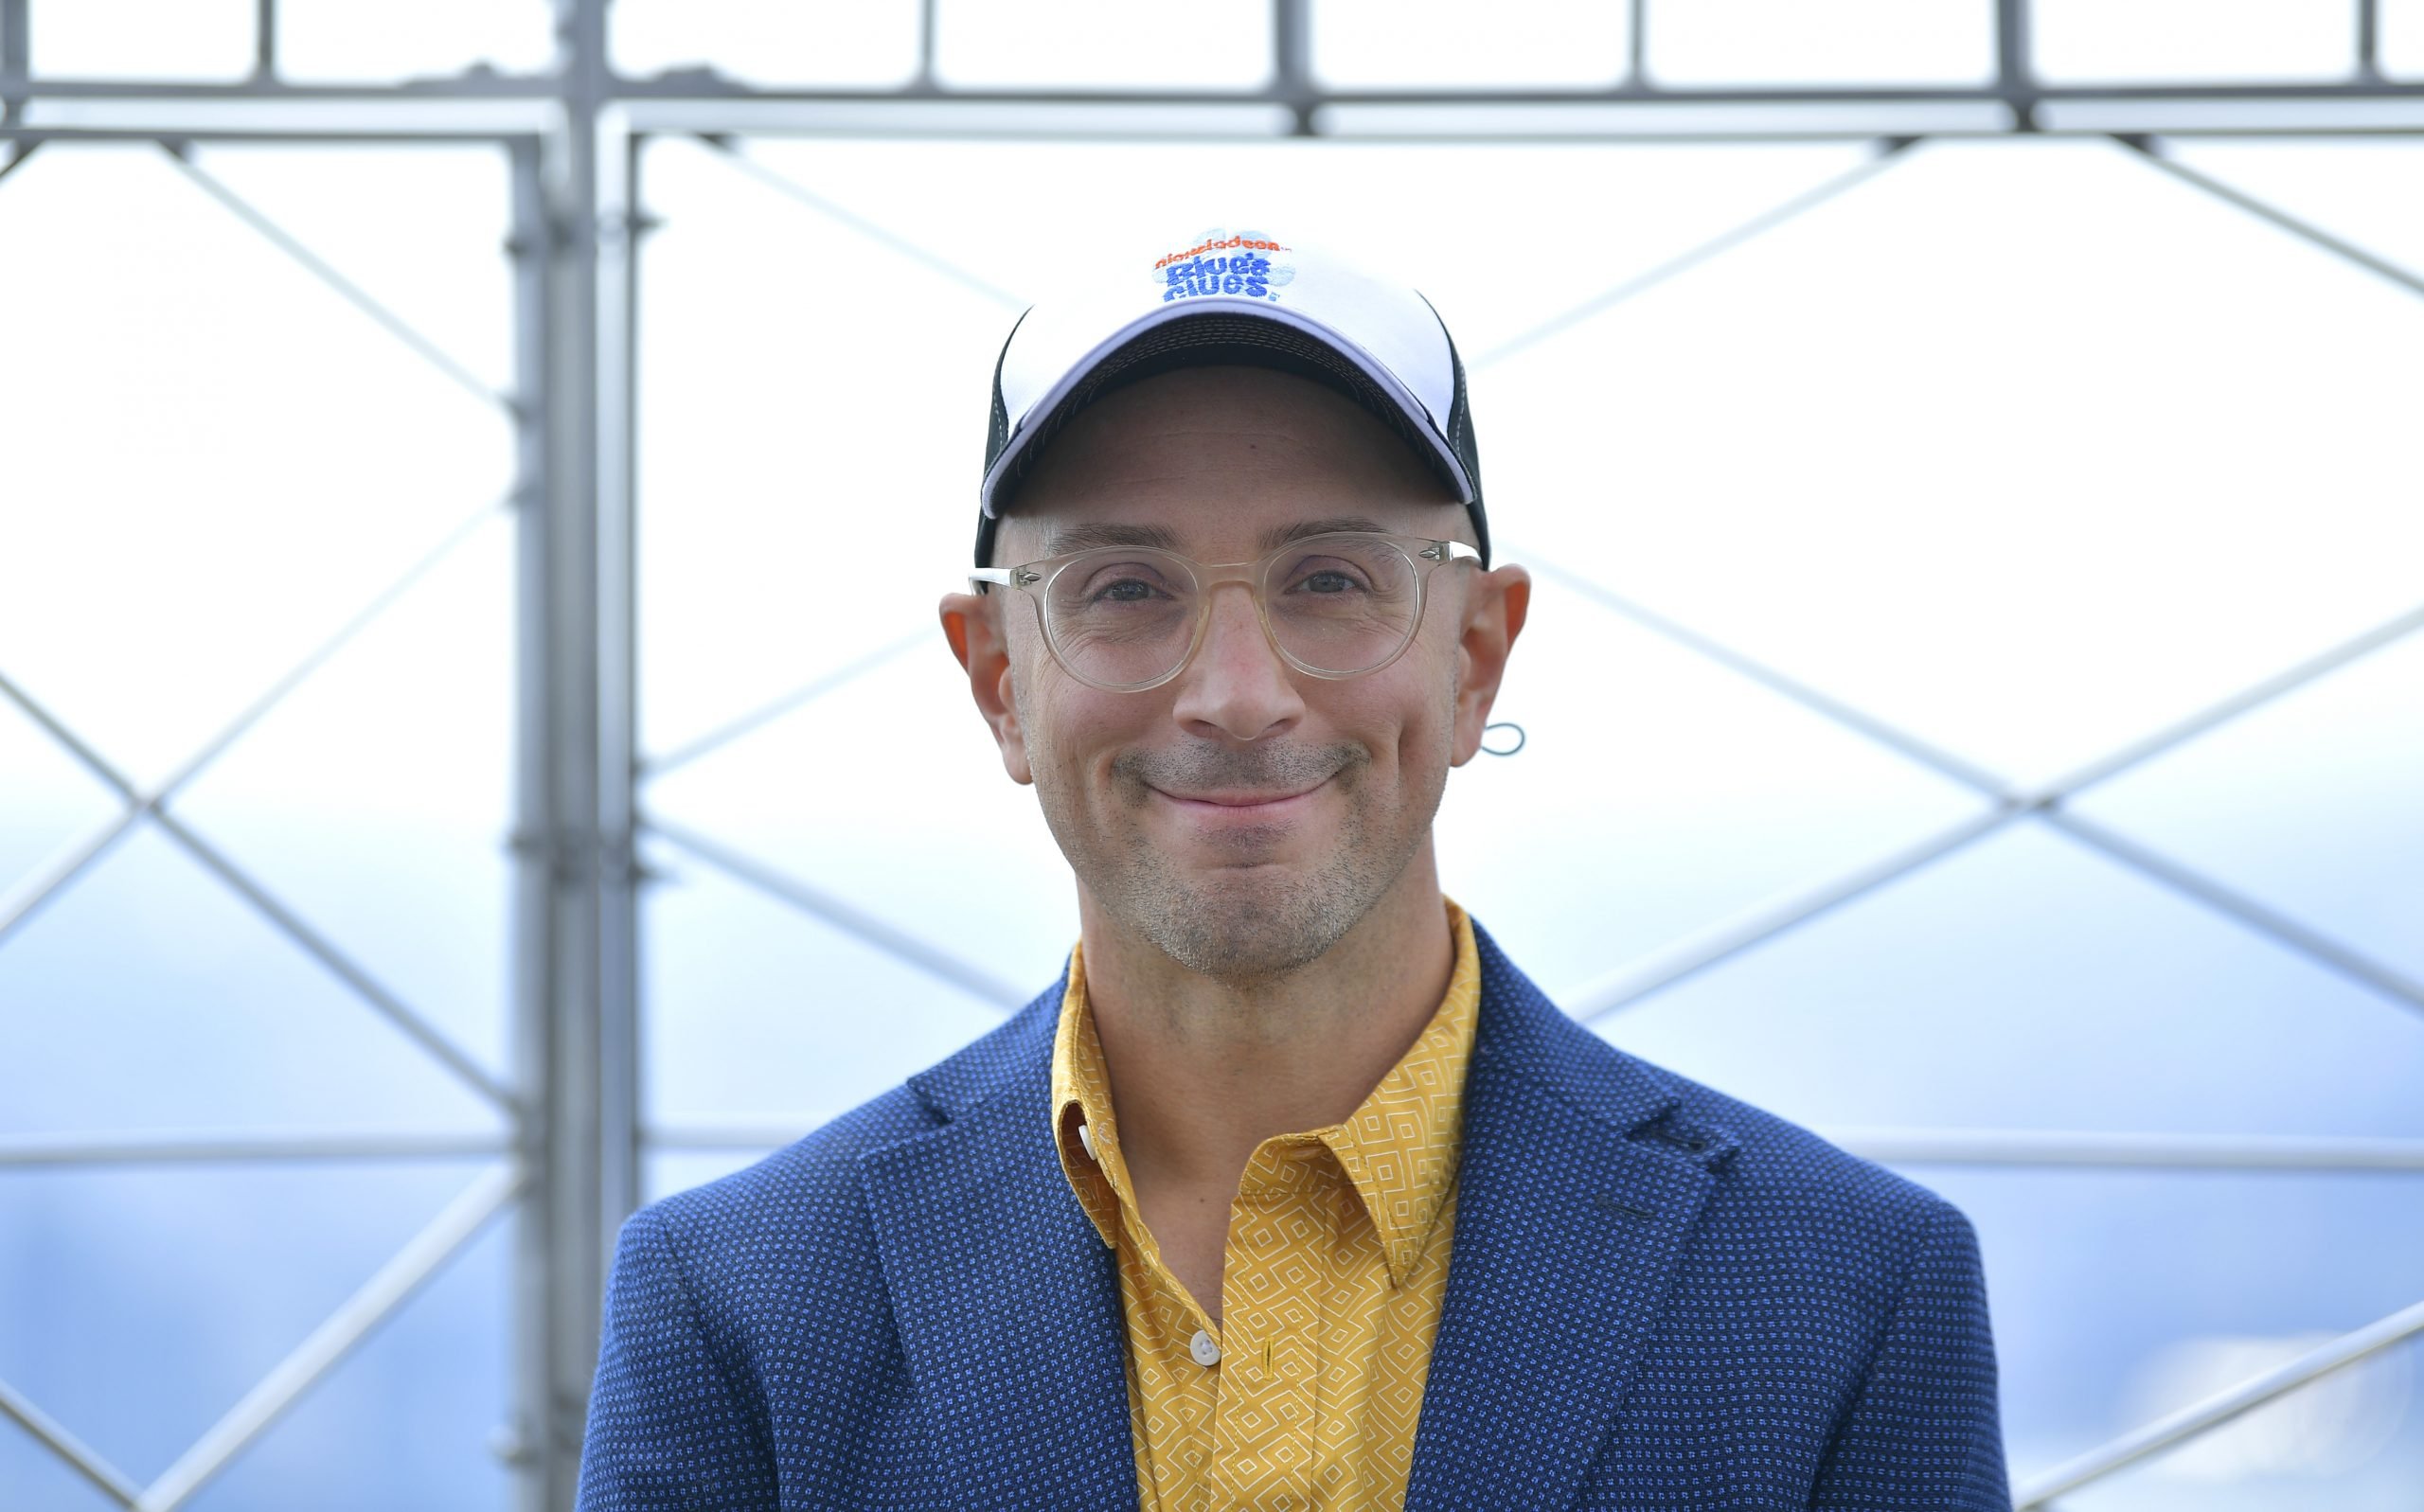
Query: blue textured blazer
<point x="1659" y="1299"/>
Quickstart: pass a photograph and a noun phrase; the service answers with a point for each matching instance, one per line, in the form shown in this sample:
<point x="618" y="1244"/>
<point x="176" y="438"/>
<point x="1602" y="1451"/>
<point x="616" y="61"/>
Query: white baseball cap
<point x="1231" y="296"/>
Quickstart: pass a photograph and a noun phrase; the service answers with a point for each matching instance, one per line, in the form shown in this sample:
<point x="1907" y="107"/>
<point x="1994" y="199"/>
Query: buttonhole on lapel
<point x="1611" y="1204"/>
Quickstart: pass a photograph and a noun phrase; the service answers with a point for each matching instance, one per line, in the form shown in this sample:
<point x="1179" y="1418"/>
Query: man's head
<point x="1243" y="815"/>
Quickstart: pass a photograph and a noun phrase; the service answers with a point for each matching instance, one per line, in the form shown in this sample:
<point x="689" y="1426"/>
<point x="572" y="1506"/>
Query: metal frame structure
<point x="568" y="1164"/>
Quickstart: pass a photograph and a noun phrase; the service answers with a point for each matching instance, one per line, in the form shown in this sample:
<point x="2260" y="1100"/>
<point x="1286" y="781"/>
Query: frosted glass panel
<point x="2136" y="1009"/>
<point x="2313" y="804"/>
<point x="1097" y="44"/>
<point x="2121" y="1296"/>
<point x="343" y="40"/>
<point x="223" y="1272"/>
<point x="2079" y="41"/>
<point x="1836" y="41"/>
<point x="195" y="39"/>
<point x="2401" y="46"/>
<point x="760" y="1014"/>
<point x="1374" y="44"/>
<point x="2028" y="493"/>
<point x="2365" y="190"/>
<point x="234" y="460"/>
<point x="769" y="45"/>
<point x="149" y="996"/>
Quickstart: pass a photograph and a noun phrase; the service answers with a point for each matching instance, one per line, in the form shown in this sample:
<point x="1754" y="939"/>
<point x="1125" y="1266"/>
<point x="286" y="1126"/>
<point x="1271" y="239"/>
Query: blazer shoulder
<point x="806" y="1199"/>
<point x="1837" y="1211"/>
<point x="809" y="1189"/>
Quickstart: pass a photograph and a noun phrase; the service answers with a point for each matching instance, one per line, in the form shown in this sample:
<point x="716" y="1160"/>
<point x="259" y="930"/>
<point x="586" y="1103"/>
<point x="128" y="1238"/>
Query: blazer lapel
<point x="1005" y="1297"/>
<point x="1570" y="1222"/>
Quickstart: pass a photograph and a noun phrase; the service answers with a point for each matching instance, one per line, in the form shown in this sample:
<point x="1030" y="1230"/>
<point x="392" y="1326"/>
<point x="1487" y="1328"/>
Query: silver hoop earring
<point x="1503" y="724"/>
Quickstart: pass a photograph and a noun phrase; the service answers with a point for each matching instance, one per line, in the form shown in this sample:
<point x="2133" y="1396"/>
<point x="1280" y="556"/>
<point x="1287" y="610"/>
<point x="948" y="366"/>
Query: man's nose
<point x="1237" y="684"/>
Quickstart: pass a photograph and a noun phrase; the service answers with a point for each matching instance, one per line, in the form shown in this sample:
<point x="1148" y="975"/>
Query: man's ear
<point x="974" y="630"/>
<point x="1495" y="606"/>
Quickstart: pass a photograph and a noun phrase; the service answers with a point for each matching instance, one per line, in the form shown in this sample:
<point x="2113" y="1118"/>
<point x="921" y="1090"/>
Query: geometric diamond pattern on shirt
<point x="1331" y="1280"/>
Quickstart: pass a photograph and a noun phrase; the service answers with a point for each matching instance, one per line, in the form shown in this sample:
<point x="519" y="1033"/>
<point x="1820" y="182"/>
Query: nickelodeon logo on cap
<point x="1219" y="264"/>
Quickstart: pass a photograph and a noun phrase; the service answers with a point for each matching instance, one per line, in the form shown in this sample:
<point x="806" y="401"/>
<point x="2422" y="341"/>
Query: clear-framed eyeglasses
<point x="1127" y="618"/>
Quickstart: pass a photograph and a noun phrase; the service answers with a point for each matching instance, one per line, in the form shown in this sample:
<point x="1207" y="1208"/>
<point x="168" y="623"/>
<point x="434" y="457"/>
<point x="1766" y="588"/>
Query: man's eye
<point x="1328" y="582"/>
<point x="1125" y="591"/>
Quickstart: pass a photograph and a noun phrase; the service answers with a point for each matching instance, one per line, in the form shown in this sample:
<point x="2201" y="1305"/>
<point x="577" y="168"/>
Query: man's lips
<point x="1240" y="800"/>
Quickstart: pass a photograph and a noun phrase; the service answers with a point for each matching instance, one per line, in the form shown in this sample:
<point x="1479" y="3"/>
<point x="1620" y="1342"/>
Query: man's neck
<point x="1202" y="1072"/>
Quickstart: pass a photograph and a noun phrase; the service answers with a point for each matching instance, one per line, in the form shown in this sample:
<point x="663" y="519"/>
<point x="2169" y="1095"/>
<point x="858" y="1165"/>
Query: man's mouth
<point x="1240" y="803"/>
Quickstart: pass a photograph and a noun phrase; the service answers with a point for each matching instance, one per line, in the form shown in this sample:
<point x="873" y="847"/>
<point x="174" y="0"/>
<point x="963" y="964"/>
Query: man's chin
<point x="1249" y="921"/>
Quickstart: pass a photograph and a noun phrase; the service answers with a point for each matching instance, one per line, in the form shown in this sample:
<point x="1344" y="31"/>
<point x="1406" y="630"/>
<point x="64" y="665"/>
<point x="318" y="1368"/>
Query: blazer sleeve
<point x="674" y="1424"/>
<point x="1924" y="1429"/>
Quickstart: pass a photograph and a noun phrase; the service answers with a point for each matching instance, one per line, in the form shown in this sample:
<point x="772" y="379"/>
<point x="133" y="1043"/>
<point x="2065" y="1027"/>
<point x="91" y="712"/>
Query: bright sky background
<point x="2021" y="446"/>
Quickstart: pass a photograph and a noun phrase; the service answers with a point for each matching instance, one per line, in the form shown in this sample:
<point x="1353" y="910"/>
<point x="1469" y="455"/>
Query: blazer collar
<point x="1578" y="1187"/>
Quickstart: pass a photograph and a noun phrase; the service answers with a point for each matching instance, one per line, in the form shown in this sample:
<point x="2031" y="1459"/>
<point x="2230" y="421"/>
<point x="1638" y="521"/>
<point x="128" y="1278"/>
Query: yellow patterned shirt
<point x="1306" y="1394"/>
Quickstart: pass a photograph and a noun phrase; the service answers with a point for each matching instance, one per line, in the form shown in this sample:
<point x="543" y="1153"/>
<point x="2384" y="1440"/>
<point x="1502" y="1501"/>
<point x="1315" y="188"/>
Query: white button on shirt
<point x="1207" y="1353"/>
<point x="1086" y="1137"/>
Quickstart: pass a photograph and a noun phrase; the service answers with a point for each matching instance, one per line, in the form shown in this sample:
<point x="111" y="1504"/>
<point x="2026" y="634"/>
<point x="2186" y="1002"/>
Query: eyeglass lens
<point x="1336" y="604"/>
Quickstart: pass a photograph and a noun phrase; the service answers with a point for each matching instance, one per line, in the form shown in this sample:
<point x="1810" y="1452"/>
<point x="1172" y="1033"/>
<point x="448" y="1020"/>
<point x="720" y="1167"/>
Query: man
<point x="1293" y="1193"/>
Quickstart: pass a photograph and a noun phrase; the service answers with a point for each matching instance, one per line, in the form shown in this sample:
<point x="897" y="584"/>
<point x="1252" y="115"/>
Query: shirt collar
<point x="1398" y="1149"/>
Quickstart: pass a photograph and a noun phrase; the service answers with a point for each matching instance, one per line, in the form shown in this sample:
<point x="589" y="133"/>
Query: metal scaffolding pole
<point x="575" y="938"/>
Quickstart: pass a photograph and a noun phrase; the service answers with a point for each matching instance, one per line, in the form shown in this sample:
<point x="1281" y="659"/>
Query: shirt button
<point x="1086" y="1137"/>
<point x="1207" y="1353"/>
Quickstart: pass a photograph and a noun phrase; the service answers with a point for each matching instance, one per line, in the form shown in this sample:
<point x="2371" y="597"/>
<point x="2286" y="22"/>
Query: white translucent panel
<point x="410" y="1420"/>
<point x="1656" y="793"/>
<point x="2368" y="190"/>
<point x="1832" y="41"/>
<point x="888" y="792"/>
<point x="167" y="1294"/>
<point x="2029" y="494"/>
<point x="2314" y="804"/>
<point x="768" y="42"/>
<point x="1098" y="43"/>
<point x="759" y="1013"/>
<point x="421" y="229"/>
<point x="147" y="996"/>
<point x="1539" y="229"/>
<point x="375" y="799"/>
<point x="814" y="408"/>
<point x="2348" y="1434"/>
<point x="2400" y="46"/>
<point x="345" y="41"/>
<point x="2078" y="42"/>
<point x="31" y="1475"/>
<point x="48" y="801"/>
<point x="2029" y="982"/>
<point x="213" y="461"/>
<point x="200" y="40"/>
<point x="1415" y="44"/>
<point x="2121" y="1295"/>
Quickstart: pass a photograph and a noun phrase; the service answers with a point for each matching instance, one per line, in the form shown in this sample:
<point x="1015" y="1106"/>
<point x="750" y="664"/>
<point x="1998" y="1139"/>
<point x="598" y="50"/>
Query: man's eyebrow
<point x="1061" y="542"/>
<point x="1280" y="535"/>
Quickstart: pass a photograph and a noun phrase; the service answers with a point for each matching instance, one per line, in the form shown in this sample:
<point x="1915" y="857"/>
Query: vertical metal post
<point x="2015" y="70"/>
<point x="575" y="1032"/>
<point x="264" y="39"/>
<point x="620" y="222"/>
<point x="1292" y="61"/>
<point x="13" y="56"/>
